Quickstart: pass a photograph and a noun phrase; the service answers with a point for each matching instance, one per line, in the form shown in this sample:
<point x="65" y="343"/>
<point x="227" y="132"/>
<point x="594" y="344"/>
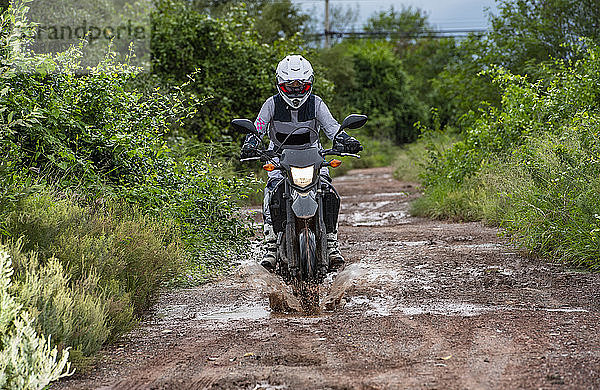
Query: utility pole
<point x="326" y="24"/>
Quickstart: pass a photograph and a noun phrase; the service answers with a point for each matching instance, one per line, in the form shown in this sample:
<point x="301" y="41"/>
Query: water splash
<point x="342" y="282"/>
<point x="281" y="297"/>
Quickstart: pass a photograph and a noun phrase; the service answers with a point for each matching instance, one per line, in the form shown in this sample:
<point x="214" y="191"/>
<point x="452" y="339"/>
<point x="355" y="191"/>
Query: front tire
<point x="308" y="287"/>
<point x="307" y="244"/>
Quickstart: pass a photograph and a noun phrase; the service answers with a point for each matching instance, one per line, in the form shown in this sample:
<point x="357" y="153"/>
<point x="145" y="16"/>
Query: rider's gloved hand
<point x="250" y="147"/>
<point x="343" y="143"/>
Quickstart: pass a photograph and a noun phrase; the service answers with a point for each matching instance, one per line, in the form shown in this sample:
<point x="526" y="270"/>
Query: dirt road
<point x="424" y="305"/>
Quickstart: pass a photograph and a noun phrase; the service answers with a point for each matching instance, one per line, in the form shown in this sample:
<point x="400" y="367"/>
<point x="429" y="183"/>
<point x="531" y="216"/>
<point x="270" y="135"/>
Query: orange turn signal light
<point x="268" y="167"/>
<point x="335" y="163"/>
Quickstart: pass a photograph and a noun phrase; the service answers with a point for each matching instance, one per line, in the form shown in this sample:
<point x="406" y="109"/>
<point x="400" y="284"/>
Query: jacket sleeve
<point x="327" y="122"/>
<point x="264" y="116"/>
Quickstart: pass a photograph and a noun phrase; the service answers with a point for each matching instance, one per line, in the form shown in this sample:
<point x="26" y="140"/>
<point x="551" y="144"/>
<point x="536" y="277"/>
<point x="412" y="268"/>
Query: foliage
<point x="90" y="184"/>
<point x="425" y="60"/>
<point x="273" y="19"/>
<point x="27" y="360"/>
<point x="95" y="268"/>
<point x="530" y="165"/>
<point x="279" y="20"/>
<point x="94" y="132"/>
<point x="58" y="309"/>
<point x="528" y="32"/>
<point x="404" y="24"/>
<point x="370" y="79"/>
<point x="131" y="254"/>
<point x="226" y="61"/>
<point x="410" y="161"/>
<point x="525" y="36"/>
<point x="77" y="130"/>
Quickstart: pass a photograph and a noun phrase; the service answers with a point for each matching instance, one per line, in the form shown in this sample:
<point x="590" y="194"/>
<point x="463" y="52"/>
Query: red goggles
<point x="295" y="87"/>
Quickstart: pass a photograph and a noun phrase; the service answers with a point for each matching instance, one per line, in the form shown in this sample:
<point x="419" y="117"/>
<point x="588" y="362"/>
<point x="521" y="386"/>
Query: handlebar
<point x="333" y="152"/>
<point x="266" y="155"/>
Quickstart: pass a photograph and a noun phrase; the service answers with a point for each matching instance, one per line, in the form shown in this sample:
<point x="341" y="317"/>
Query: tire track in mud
<point x="422" y="305"/>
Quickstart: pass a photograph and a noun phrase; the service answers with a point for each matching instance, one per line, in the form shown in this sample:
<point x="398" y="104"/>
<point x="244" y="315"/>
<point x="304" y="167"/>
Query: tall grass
<point x="87" y="273"/>
<point x="410" y="161"/>
<point x="27" y="360"/>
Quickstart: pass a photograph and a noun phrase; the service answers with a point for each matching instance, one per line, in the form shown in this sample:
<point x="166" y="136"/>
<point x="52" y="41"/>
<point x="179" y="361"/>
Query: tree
<point x="279" y="20"/>
<point x="524" y="35"/>
<point x="223" y="59"/>
<point x="527" y="32"/>
<point x="275" y="19"/>
<point x="369" y="78"/>
<point x="403" y="26"/>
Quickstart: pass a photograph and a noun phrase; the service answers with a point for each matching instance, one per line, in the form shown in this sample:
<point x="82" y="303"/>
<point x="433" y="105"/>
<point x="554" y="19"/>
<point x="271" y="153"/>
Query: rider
<point x="295" y="106"/>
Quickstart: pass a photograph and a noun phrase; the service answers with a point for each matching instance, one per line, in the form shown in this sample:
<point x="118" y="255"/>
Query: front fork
<point x="323" y="260"/>
<point x="290" y="235"/>
<point x="291" y="239"/>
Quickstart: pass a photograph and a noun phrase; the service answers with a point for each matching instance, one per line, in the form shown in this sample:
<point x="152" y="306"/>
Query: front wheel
<point x="307" y="245"/>
<point x="308" y="287"/>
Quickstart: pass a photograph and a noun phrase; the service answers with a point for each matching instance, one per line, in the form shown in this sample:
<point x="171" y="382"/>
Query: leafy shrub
<point x="96" y="133"/>
<point x="370" y="79"/>
<point x="224" y="58"/>
<point x="411" y="160"/>
<point x="106" y="211"/>
<point x="554" y="208"/>
<point x="86" y="274"/>
<point x="26" y="359"/>
<point x="531" y="165"/>
<point x="75" y="314"/>
<point x="131" y="254"/>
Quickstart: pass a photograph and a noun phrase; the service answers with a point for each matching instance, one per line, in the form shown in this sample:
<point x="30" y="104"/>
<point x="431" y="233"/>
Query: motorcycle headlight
<point x="302" y="177"/>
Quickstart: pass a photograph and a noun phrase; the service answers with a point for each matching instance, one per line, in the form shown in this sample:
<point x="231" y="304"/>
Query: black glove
<point x="250" y="147"/>
<point x="343" y="143"/>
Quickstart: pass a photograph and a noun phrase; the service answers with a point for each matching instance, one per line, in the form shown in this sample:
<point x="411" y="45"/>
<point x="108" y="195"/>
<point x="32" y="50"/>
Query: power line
<point x="446" y="33"/>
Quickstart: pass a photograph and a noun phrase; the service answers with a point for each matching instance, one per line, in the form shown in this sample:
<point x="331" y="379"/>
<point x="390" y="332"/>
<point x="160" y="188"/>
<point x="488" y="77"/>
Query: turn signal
<point x="268" y="167"/>
<point x="335" y="163"/>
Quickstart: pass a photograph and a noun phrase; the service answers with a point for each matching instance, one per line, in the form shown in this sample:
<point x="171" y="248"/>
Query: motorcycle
<point x="303" y="208"/>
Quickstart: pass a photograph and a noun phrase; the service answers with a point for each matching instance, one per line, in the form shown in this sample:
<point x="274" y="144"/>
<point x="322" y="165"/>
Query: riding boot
<point x="336" y="260"/>
<point x="270" y="247"/>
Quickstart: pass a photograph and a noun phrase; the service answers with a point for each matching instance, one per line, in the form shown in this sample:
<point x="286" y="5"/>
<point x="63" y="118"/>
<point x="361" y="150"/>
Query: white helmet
<point x="294" y="80"/>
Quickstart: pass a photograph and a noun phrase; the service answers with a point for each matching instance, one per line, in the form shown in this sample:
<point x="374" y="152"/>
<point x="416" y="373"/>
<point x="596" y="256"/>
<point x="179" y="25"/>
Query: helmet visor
<point x="296" y="88"/>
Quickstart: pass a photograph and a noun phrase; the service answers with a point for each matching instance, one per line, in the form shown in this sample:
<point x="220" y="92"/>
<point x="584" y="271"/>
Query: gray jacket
<point x="278" y="120"/>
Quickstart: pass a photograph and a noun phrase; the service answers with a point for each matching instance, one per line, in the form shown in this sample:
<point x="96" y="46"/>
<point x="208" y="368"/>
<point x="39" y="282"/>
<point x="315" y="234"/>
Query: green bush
<point x="410" y="161"/>
<point x="131" y="254"/>
<point x="224" y="60"/>
<point x="107" y="211"/>
<point x="95" y="132"/>
<point x="531" y="165"/>
<point x="75" y="314"/>
<point x="370" y="79"/>
<point x="552" y="184"/>
<point x="27" y="360"/>
<point x="87" y="273"/>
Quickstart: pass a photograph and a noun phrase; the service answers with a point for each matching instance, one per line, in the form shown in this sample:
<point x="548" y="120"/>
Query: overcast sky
<point x="444" y="14"/>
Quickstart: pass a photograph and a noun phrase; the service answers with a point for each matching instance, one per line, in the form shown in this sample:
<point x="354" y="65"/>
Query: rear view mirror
<point x="354" y="121"/>
<point x="244" y="126"/>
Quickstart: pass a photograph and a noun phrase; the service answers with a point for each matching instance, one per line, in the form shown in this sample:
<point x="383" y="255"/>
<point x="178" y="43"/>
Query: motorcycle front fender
<point x="305" y="206"/>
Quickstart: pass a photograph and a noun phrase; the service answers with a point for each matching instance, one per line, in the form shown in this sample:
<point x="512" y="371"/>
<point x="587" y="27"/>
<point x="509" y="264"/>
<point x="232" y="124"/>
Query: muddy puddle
<point x="381" y="213"/>
<point x="251" y="311"/>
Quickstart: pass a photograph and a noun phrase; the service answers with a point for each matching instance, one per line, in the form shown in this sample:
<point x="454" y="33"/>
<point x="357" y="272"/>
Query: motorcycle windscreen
<point x="305" y="206"/>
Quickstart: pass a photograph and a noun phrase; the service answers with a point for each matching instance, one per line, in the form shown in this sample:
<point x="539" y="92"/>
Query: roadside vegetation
<point x="117" y="181"/>
<point x="524" y="100"/>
